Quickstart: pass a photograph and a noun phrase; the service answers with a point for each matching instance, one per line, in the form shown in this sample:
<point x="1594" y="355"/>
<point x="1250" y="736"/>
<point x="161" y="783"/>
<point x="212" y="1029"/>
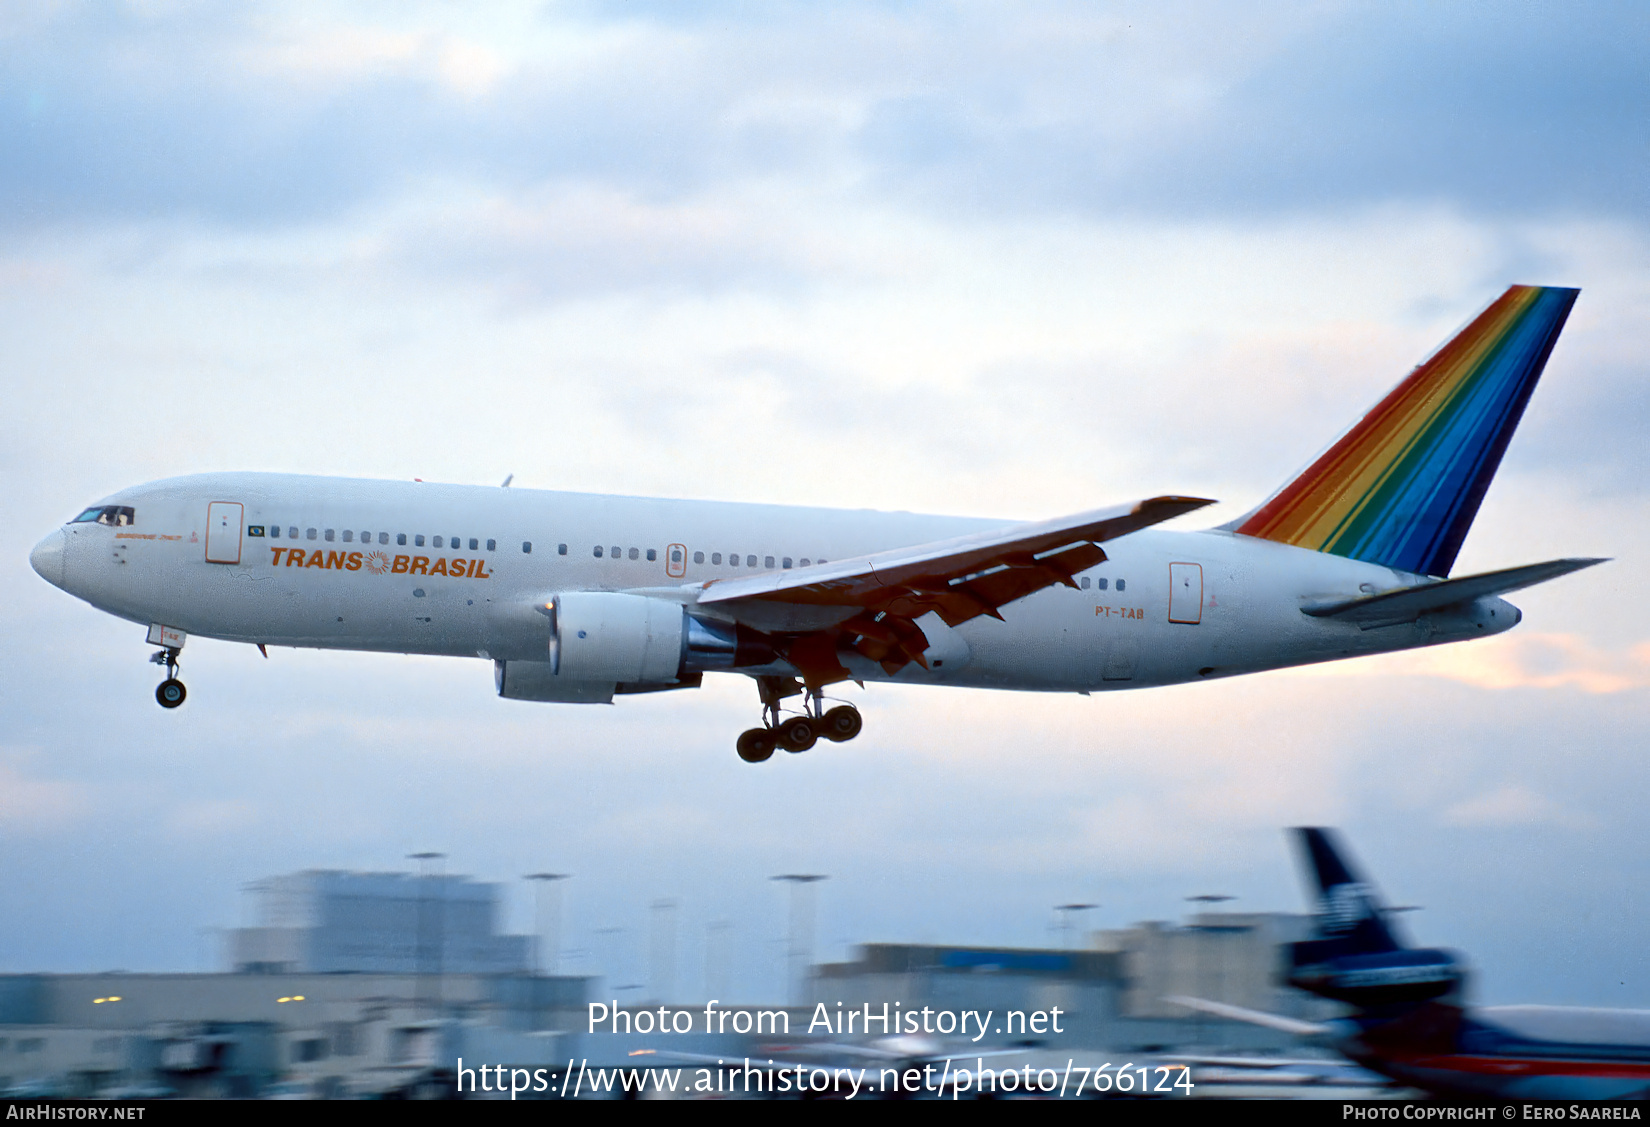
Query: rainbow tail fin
<point x="1401" y="487"/>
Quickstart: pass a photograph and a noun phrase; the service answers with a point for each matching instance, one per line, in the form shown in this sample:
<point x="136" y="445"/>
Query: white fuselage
<point x="466" y="571"/>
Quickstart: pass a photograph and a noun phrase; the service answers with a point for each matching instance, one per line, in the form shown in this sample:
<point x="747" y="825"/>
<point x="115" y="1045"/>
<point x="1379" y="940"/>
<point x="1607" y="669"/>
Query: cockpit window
<point x="119" y="516"/>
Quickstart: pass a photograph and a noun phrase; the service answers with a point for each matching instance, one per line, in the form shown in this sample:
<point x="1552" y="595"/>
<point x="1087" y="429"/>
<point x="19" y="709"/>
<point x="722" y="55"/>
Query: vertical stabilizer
<point x="1401" y="487"/>
<point x="1350" y="915"/>
<point x="1354" y="955"/>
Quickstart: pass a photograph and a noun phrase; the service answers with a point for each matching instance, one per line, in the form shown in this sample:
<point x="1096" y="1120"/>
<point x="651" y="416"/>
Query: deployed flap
<point x="956" y="580"/>
<point x="1405" y="604"/>
<point x="976" y="562"/>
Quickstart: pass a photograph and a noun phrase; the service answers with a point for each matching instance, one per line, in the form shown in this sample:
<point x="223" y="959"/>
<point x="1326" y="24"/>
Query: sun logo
<point x="377" y="563"/>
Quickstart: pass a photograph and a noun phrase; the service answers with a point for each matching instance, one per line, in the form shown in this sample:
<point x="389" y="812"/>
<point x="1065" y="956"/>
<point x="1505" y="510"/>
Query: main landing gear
<point x="170" y="692"/>
<point x="795" y="733"/>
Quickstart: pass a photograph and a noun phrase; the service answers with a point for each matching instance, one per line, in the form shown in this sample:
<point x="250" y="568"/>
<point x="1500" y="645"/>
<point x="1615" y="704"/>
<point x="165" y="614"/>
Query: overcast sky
<point x="921" y="255"/>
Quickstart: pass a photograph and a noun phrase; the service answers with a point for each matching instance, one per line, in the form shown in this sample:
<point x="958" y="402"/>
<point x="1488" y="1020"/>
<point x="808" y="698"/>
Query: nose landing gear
<point x="169" y="693"/>
<point x="795" y="733"/>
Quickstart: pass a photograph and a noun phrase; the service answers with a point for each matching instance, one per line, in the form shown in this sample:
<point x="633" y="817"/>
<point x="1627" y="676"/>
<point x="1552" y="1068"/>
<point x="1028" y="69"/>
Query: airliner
<point x="1409" y="1021"/>
<point x="579" y="598"/>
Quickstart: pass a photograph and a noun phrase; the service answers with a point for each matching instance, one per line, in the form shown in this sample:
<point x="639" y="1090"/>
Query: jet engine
<point x="607" y="641"/>
<point x="610" y="636"/>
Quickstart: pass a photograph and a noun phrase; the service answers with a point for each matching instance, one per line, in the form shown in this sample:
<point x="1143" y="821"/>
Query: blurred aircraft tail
<point x="1355" y="956"/>
<point x="1349" y="915"/>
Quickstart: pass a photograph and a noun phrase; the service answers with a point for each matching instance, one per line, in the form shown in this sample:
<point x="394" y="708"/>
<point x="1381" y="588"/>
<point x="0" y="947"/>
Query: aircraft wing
<point x="878" y="598"/>
<point x="1253" y="1017"/>
<point x="1406" y="604"/>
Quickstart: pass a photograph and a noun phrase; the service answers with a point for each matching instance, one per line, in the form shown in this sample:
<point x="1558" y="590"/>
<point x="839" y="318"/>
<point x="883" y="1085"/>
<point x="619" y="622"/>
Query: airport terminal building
<point x="373" y="984"/>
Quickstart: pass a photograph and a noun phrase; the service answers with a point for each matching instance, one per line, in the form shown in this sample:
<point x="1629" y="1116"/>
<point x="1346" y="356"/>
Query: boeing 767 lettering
<point x="578" y="597"/>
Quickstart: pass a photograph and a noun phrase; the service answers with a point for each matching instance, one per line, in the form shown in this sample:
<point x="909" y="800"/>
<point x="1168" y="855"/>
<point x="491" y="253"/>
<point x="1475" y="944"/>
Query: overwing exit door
<point x="223" y="532"/>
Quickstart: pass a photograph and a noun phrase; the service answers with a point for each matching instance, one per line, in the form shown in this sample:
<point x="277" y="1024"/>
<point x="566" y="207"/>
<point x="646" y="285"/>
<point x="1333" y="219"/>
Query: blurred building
<point x="1084" y="985"/>
<point x="307" y="1012"/>
<point x="232" y="1035"/>
<point x="1234" y="957"/>
<point x="1109" y="996"/>
<point x="327" y="922"/>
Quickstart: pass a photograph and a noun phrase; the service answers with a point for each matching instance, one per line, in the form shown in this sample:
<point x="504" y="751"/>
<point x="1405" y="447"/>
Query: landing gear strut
<point x="170" y="692"/>
<point x="795" y="733"/>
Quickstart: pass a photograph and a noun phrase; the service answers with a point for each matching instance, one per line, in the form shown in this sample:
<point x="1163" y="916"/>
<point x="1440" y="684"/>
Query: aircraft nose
<point x="47" y="558"/>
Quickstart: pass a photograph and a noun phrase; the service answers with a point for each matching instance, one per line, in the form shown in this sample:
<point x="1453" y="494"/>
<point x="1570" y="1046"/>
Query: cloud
<point x="33" y="805"/>
<point x="1321" y="109"/>
<point x="1517" y="660"/>
<point x="241" y="119"/>
<point x="1512" y="806"/>
<point x="212" y="818"/>
<point x="583" y="243"/>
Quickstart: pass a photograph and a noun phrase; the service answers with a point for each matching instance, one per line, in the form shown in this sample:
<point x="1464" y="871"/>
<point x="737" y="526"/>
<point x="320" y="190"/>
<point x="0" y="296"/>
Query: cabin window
<point x="698" y="557"/>
<point x="418" y="541"/>
<point x="311" y="533"/>
<point x="492" y="545"/>
<point x="1101" y="584"/>
<point x="526" y="547"/>
<point x="822" y="561"/>
<point x="767" y="561"/>
<point x="598" y="551"/>
<point x="435" y="542"/>
<point x="1121" y="585"/>
<point x="292" y="534"/>
<point x="349" y="536"/>
<point x="401" y="539"/>
<point x="634" y="553"/>
<point x="616" y="552"/>
<point x="474" y="543"/>
<point x="750" y="561"/>
<point x="384" y="538"/>
<point x="652" y="555"/>
<point x="455" y="541"/>
<point x="329" y="536"/>
<point x="804" y="561"/>
<point x="561" y="549"/>
<point x="716" y="557"/>
<point x="1085" y="583"/>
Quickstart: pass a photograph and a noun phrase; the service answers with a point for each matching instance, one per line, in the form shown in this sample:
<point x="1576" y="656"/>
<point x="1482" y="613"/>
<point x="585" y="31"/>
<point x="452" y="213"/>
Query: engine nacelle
<point x="602" y="642"/>
<point x="611" y="637"/>
<point x="536" y="680"/>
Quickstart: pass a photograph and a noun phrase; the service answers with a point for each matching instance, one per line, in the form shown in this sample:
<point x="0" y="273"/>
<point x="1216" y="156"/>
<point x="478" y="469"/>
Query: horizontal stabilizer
<point x="1252" y="1017"/>
<point x="1406" y="604"/>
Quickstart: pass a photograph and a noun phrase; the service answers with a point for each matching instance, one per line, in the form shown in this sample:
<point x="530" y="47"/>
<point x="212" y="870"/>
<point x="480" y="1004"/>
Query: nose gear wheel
<point x="169" y="693"/>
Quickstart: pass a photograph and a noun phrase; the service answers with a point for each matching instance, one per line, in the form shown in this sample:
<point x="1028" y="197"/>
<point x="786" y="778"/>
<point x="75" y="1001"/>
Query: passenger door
<point x="223" y="532"/>
<point x="1186" y="593"/>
